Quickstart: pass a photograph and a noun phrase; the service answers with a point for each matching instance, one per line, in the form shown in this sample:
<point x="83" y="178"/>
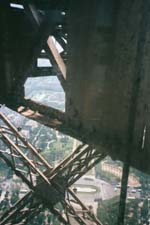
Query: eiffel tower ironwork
<point x="27" y="163"/>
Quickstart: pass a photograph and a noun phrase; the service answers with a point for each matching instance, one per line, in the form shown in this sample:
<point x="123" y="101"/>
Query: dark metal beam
<point x="138" y="74"/>
<point x="124" y="189"/>
<point x="24" y="208"/>
<point x="33" y="14"/>
<point x="59" y="120"/>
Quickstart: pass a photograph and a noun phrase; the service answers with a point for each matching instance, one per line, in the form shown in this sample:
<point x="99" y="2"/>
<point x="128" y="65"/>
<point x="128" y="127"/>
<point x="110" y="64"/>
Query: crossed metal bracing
<point x="45" y="30"/>
<point x="37" y="30"/>
<point x="49" y="186"/>
<point x="49" y="29"/>
<point x="21" y="212"/>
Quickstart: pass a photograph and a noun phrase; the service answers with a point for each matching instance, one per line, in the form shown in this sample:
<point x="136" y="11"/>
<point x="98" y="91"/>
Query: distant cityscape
<point x="46" y="90"/>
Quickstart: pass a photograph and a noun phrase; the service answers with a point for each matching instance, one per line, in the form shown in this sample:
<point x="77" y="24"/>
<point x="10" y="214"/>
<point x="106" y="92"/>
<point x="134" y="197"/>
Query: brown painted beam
<point x="57" y="56"/>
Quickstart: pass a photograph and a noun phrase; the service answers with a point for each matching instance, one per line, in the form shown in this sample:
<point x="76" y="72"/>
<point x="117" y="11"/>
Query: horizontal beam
<point x="49" y="117"/>
<point x="60" y="121"/>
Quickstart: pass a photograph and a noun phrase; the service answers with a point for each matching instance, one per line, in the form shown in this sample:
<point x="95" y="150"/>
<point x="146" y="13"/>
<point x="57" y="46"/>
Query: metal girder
<point x="60" y="121"/>
<point x="25" y="208"/>
<point x="138" y="114"/>
<point x="57" y="56"/>
<point x="28" y="56"/>
<point x="25" y="57"/>
<point x="54" y="181"/>
<point x="42" y="109"/>
<point x="77" y="164"/>
<point x="87" y="214"/>
<point x="60" y="40"/>
<point x="55" y="66"/>
<point x="123" y="194"/>
<point x="27" y="166"/>
<point x="49" y="47"/>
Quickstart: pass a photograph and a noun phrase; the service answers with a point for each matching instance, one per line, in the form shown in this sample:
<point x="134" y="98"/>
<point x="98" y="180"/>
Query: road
<point x="107" y="190"/>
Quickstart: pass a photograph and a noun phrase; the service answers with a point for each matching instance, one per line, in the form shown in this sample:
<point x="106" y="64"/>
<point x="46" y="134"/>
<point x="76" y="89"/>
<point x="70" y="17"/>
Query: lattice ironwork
<point x="78" y="163"/>
<point x="87" y="214"/>
<point x="25" y="208"/>
<point x="36" y="172"/>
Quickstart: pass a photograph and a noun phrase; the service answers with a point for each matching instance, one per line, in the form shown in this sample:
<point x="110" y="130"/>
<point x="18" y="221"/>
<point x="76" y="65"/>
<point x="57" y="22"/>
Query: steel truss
<point x="43" y="180"/>
<point x="51" y="51"/>
<point x="20" y="212"/>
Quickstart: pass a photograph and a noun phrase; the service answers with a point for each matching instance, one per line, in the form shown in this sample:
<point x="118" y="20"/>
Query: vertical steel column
<point x="123" y="195"/>
<point x="139" y="73"/>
